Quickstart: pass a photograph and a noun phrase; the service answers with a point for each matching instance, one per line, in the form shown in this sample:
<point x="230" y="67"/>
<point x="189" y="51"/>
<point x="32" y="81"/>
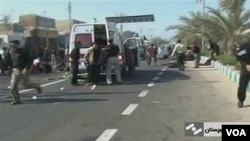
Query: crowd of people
<point x="98" y="57"/>
<point x="105" y="57"/>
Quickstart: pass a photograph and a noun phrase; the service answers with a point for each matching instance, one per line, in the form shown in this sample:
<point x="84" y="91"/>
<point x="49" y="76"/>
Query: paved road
<point x="153" y="105"/>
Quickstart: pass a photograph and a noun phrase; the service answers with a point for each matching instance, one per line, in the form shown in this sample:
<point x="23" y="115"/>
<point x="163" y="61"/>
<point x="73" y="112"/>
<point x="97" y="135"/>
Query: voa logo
<point x="236" y="132"/>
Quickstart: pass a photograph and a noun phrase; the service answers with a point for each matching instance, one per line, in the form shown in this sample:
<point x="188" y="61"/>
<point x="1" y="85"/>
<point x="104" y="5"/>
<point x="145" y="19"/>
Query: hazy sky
<point x="166" y="12"/>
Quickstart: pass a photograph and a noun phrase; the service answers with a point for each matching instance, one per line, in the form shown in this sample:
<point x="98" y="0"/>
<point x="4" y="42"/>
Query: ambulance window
<point x="85" y="39"/>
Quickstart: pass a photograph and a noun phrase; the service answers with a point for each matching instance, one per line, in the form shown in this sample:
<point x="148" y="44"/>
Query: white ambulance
<point x="86" y="33"/>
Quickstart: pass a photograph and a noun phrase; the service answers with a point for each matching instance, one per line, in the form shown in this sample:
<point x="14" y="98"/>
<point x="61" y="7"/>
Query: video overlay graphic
<point x="226" y="130"/>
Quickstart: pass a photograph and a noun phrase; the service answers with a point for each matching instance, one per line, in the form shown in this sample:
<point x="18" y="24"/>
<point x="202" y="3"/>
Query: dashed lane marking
<point x="156" y="78"/>
<point x="129" y="110"/>
<point x="143" y="93"/>
<point x="107" y="135"/>
<point x="160" y="73"/>
<point x="151" y="84"/>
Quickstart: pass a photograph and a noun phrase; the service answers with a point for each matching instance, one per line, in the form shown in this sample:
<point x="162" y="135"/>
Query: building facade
<point x="40" y="32"/>
<point x="9" y="32"/>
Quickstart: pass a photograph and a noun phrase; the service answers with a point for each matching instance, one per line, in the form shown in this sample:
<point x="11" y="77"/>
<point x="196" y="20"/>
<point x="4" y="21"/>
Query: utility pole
<point x="70" y="19"/>
<point x="151" y="30"/>
<point x="203" y="15"/>
<point x="121" y="25"/>
<point x="141" y="32"/>
<point x="68" y="42"/>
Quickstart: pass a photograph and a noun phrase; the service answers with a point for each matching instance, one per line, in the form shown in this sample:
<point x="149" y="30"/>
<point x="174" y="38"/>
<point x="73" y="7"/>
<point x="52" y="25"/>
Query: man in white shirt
<point x="180" y="51"/>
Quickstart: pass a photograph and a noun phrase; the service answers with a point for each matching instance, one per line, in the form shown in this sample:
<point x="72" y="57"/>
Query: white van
<point x="86" y="33"/>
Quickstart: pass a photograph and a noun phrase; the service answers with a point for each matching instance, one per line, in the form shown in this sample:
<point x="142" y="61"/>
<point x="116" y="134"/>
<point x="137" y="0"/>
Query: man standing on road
<point x="243" y="56"/>
<point x="94" y="56"/>
<point x="75" y="56"/>
<point x="20" y="61"/>
<point x="150" y="53"/>
<point x="113" y="52"/>
<point x="180" y="54"/>
<point x="155" y="54"/>
<point x="196" y="51"/>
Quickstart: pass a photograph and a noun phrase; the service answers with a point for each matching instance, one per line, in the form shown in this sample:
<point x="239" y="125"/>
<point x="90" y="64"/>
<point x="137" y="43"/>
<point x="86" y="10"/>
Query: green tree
<point x="190" y="28"/>
<point x="226" y="25"/>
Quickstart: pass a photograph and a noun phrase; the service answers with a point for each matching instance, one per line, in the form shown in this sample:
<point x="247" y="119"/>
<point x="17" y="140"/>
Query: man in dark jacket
<point x="243" y="56"/>
<point x="196" y="51"/>
<point x="20" y="61"/>
<point x="215" y="49"/>
<point x="75" y="55"/>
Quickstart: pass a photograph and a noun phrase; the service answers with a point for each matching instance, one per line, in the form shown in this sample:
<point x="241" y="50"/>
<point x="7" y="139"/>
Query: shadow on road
<point x="56" y="100"/>
<point x="147" y="76"/>
<point x="66" y="93"/>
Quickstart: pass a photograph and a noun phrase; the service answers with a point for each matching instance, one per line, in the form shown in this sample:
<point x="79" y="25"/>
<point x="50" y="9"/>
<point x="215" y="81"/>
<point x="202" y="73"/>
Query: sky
<point x="166" y="12"/>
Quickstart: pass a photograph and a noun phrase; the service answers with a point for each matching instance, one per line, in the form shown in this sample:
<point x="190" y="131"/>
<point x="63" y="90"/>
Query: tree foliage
<point x="226" y="25"/>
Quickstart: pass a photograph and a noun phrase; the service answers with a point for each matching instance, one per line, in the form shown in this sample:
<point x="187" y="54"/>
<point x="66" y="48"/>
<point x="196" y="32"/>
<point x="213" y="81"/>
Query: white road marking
<point x="27" y="90"/>
<point x="55" y="82"/>
<point x="151" y="84"/>
<point x="163" y="69"/>
<point x="56" y="103"/>
<point x="160" y="73"/>
<point x="143" y="93"/>
<point x="93" y="87"/>
<point x="107" y="135"/>
<point x="129" y="110"/>
<point x="156" y="78"/>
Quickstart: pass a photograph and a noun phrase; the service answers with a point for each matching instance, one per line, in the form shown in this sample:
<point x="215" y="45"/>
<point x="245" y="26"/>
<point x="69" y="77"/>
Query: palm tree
<point x="190" y="26"/>
<point x="226" y="25"/>
<point x="231" y="5"/>
<point x="230" y="26"/>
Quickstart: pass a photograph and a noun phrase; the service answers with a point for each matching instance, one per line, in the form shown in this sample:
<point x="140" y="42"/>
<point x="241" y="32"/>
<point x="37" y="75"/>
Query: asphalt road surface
<point x="153" y="105"/>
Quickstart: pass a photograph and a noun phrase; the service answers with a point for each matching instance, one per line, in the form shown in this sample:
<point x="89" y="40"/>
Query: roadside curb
<point x="225" y="70"/>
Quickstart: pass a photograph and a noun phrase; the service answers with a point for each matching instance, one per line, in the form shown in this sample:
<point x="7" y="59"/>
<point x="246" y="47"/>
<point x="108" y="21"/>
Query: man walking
<point x="243" y="56"/>
<point x="113" y="52"/>
<point x="215" y="49"/>
<point x="75" y="56"/>
<point x="20" y="61"/>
